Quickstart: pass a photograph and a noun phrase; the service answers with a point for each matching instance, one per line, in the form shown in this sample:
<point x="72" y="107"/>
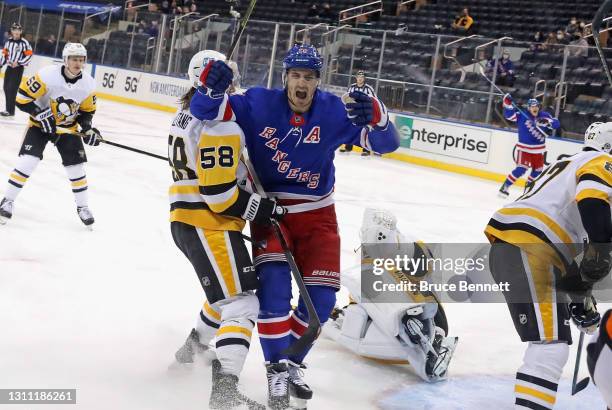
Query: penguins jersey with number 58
<point x="548" y="210"/>
<point x="208" y="190"/>
<point x="67" y="97"/>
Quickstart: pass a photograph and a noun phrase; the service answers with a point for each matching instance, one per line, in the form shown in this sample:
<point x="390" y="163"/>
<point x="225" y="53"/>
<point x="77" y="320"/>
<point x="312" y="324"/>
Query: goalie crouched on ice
<point x="414" y="331"/>
<point x="59" y="99"/>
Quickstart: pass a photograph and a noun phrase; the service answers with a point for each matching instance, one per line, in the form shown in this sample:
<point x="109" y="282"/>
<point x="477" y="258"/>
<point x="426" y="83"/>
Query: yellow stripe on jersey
<point x="527" y="241"/>
<point x="33" y="87"/>
<point x="206" y="219"/>
<point x="219" y="247"/>
<point x="542" y="217"/>
<point x="217" y="165"/>
<point x="89" y="103"/>
<point x="592" y="193"/>
<point x="600" y="167"/>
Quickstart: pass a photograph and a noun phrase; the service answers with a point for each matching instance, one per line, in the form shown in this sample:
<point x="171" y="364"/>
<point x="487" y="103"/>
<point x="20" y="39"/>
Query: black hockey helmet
<point x="16" y="26"/>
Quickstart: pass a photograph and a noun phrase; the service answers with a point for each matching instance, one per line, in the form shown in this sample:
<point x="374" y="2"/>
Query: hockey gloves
<point x="585" y="315"/>
<point x="596" y="262"/>
<point x="216" y="77"/>
<point x="507" y="101"/>
<point x="365" y="111"/>
<point x="92" y="137"/>
<point x="262" y="210"/>
<point x="46" y="120"/>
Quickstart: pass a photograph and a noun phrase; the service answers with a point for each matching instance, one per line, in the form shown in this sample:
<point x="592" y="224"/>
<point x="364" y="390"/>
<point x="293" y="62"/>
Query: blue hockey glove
<point x="216" y="77"/>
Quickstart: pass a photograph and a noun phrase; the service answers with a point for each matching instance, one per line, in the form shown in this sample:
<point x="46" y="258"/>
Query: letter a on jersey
<point x="314" y="136"/>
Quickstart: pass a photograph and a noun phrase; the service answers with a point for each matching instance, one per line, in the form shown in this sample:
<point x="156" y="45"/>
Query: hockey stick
<point x="596" y="26"/>
<point x="577" y="387"/>
<point x="115" y="144"/>
<point x="314" y="324"/>
<point x="243" y="23"/>
<point x="516" y="107"/>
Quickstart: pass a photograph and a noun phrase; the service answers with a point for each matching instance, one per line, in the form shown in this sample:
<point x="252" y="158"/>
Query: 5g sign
<point x="131" y="84"/>
<point x="108" y="81"/>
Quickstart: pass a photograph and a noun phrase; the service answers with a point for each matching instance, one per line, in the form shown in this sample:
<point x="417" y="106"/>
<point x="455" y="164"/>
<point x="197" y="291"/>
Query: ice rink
<point x="104" y="311"/>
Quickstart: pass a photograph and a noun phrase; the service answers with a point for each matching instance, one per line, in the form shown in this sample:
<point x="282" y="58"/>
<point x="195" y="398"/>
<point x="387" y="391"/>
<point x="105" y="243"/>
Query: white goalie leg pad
<point x="363" y="337"/>
<point x="233" y="339"/>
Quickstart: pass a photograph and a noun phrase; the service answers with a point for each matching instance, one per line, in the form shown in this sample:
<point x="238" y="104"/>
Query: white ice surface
<point x="104" y="311"/>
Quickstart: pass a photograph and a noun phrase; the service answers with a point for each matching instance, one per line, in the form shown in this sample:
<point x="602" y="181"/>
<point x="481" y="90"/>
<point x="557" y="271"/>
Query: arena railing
<point x="408" y="69"/>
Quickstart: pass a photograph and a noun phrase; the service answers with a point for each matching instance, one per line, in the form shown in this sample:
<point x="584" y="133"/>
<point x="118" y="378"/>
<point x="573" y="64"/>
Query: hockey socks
<point x="26" y="164"/>
<point x="78" y="182"/>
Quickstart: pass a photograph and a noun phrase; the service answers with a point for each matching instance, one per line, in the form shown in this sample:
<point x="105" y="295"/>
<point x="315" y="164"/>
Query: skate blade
<point x="3" y="220"/>
<point x="504" y="196"/>
<point x="89" y="228"/>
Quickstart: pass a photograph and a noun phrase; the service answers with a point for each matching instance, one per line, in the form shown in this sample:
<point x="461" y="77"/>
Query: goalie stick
<point x="314" y="324"/>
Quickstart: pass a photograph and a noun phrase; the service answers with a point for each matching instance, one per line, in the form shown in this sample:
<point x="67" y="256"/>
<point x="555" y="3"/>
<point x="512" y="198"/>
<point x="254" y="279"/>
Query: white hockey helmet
<point x="599" y="136"/>
<point x="74" y="50"/>
<point x="199" y="61"/>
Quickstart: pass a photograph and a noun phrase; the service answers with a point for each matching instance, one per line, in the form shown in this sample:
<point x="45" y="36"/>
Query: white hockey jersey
<point x="547" y="213"/>
<point x="205" y="158"/>
<point x="50" y="87"/>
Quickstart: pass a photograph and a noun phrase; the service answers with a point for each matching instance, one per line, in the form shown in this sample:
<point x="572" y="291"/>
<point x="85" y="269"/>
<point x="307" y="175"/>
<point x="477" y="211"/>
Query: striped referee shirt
<point x="16" y="51"/>
<point x="366" y="89"/>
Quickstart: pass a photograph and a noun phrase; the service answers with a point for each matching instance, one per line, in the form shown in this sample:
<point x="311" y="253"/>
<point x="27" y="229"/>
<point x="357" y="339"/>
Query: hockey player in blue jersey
<point x="531" y="147"/>
<point x="291" y="136"/>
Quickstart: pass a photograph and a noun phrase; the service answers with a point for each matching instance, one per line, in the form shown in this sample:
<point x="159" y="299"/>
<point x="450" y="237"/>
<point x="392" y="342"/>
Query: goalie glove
<point x="365" y="111"/>
<point x="216" y="77"/>
<point x="92" y="137"/>
<point x="596" y="262"/>
<point x="262" y="210"/>
<point x="585" y="315"/>
<point x="46" y="119"/>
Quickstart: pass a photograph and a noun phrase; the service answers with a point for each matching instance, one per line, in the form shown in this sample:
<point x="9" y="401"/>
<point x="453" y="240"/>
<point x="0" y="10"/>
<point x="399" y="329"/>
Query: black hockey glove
<point x="585" y="315"/>
<point x="596" y="262"/>
<point x="92" y="137"/>
<point x="46" y="120"/>
<point x="262" y="210"/>
<point x="217" y="77"/>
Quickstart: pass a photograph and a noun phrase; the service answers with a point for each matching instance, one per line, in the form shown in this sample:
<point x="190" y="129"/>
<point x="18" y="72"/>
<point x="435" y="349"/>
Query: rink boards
<point x="478" y="151"/>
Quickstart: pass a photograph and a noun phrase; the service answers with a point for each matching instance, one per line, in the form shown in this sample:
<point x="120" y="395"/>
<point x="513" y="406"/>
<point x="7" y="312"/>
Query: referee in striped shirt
<point x="361" y="86"/>
<point x="16" y="54"/>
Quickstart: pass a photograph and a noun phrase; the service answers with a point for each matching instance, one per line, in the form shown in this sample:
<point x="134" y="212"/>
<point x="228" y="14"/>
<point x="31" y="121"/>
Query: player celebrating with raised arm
<point x="534" y="243"/>
<point x="59" y="99"/>
<point x="291" y="136"/>
<point x="531" y="146"/>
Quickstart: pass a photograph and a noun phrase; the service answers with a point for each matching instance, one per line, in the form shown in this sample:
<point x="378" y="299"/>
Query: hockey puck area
<point x="478" y="392"/>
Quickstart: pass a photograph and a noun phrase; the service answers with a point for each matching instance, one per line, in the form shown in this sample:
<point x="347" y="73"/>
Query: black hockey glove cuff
<point x="262" y="210"/>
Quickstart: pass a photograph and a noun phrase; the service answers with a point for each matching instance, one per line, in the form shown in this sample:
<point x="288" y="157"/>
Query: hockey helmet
<point x="303" y="56"/>
<point x="199" y="61"/>
<point x="74" y="50"/>
<point x="599" y="136"/>
<point x="533" y="102"/>
<point x="202" y="58"/>
<point x="16" y="26"/>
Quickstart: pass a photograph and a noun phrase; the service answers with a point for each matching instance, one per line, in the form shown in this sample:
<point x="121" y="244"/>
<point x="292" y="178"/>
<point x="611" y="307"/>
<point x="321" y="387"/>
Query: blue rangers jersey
<point x="293" y="154"/>
<point x="531" y="139"/>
